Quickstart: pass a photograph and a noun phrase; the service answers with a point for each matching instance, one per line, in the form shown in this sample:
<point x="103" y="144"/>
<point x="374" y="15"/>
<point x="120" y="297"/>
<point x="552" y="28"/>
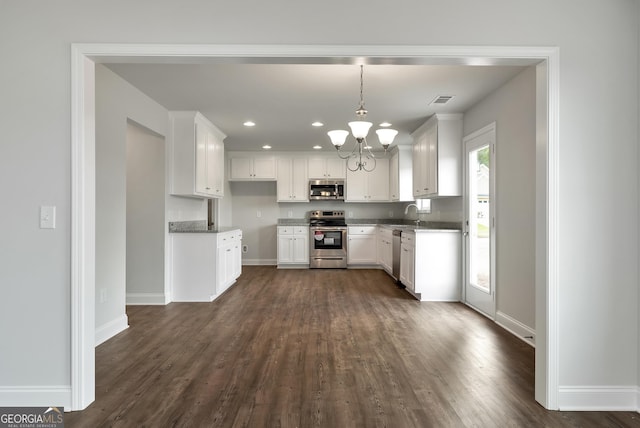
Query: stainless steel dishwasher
<point x="396" y="242"/>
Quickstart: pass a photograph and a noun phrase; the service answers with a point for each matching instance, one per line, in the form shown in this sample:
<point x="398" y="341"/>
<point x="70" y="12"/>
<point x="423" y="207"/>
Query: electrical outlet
<point x="258" y="213"/>
<point x="245" y="248"/>
<point x="103" y="295"/>
<point x="290" y="214"/>
<point x="390" y="214"/>
<point x="350" y="214"/>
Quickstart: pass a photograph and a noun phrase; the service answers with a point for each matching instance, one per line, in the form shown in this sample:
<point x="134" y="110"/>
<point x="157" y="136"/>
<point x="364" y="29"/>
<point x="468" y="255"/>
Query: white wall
<point x="146" y="225"/>
<point x="117" y="102"/>
<point x="512" y="108"/>
<point x="598" y="159"/>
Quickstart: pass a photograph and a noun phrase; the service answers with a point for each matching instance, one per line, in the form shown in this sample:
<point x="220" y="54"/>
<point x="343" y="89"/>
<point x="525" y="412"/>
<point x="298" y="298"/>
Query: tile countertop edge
<point x="197" y="226"/>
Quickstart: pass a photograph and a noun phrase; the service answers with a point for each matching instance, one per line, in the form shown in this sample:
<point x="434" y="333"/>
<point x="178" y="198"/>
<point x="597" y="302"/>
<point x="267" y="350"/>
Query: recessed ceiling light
<point x="249" y="123"/>
<point x="317" y="124"/>
<point x="266" y="147"/>
<point x="368" y="147"/>
<point x="317" y="147"/>
<point x="385" y="124"/>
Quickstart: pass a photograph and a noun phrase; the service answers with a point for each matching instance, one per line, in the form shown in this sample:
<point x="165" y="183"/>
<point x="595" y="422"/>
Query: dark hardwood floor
<point x="319" y="348"/>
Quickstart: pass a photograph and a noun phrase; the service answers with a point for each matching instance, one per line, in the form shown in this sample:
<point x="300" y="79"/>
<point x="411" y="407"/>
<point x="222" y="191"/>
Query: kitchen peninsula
<point x="204" y="261"/>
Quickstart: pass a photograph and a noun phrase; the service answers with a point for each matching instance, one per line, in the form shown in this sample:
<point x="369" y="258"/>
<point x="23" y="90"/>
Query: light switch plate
<point x="47" y="217"/>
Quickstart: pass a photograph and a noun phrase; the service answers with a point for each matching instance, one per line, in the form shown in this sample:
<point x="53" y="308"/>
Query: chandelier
<point x="361" y="157"/>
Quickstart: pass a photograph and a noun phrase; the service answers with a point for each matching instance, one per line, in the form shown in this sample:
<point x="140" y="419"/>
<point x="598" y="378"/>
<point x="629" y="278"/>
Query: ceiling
<point x="284" y="99"/>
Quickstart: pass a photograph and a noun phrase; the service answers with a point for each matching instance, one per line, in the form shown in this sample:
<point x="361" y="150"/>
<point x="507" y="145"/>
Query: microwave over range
<point x="326" y="189"/>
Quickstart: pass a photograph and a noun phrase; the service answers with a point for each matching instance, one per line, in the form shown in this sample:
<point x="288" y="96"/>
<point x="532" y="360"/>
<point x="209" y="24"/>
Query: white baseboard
<point x="293" y="266"/>
<point x="599" y="398"/>
<point x="147" y="299"/>
<point x="259" y="262"/>
<point x="36" y="396"/>
<point x="110" y="329"/>
<point x="515" y="327"/>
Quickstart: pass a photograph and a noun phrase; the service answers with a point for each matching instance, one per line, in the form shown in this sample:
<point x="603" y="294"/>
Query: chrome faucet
<point x="406" y="211"/>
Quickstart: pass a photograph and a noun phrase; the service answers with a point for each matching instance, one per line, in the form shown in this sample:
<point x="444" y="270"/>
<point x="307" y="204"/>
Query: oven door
<point x="328" y="247"/>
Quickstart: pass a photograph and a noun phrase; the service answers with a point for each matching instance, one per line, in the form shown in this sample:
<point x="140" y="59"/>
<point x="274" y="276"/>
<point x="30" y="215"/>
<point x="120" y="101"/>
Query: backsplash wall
<point x="255" y="210"/>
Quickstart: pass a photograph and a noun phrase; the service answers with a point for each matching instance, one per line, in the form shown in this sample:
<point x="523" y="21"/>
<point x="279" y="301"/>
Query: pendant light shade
<point x="386" y="136"/>
<point x="360" y="129"/>
<point x="338" y="136"/>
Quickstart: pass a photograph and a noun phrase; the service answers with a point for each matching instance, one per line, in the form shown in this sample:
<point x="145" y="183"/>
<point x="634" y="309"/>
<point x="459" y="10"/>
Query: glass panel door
<point x="479" y="219"/>
<point x="480" y="165"/>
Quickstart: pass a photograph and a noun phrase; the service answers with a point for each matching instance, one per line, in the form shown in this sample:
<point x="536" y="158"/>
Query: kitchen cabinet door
<point x="401" y="174"/>
<point x="196" y="156"/>
<point x="437" y="157"/>
<point x="293" y="182"/>
<point x="293" y="246"/>
<point x="336" y="169"/>
<point x="362" y="245"/>
<point x="385" y="249"/>
<point x="301" y="247"/>
<point x="378" y="182"/>
<point x="252" y="168"/>
<point x="361" y="249"/>
<point x="326" y="168"/>
<point x="371" y="186"/>
<point x="407" y="261"/>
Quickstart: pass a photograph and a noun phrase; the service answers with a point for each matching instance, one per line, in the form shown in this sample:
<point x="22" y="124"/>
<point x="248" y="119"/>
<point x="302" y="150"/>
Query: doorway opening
<point x="85" y="56"/>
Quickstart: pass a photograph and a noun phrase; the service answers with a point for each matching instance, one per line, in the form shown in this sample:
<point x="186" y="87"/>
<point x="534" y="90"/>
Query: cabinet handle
<point x="208" y="188"/>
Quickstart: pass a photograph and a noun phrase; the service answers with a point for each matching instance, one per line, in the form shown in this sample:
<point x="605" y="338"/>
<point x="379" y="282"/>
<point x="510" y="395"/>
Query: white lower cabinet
<point x="385" y="249"/>
<point x="408" y="260"/>
<point x="361" y="245"/>
<point x="204" y="265"/>
<point x="230" y="259"/>
<point x="293" y="246"/>
<point x="430" y="264"/>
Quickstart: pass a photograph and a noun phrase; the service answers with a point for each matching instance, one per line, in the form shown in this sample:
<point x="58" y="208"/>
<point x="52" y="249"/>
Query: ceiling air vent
<point x="441" y="99"/>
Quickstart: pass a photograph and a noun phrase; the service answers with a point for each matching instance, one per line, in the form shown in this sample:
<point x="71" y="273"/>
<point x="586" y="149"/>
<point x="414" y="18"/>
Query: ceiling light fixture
<point x="249" y="123"/>
<point x="359" y="159"/>
<point x="317" y="124"/>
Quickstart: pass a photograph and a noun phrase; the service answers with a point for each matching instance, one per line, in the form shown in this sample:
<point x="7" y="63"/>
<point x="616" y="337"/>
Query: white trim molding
<point x="147" y="299"/>
<point x="83" y="59"/>
<point x="259" y="262"/>
<point x="29" y="396"/>
<point x="598" y="398"/>
<point x="515" y="327"/>
<point x="110" y="329"/>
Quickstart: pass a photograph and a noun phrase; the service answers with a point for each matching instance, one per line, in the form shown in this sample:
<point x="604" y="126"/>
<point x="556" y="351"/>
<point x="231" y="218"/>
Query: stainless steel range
<point x="328" y="240"/>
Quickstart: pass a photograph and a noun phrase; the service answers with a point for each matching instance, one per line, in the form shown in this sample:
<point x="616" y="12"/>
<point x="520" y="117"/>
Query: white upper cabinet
<point x="437" y="157"/>
<point x="326" y="168"/>
<point x="293" y="181"/>
<point x="371" y="186"/>
<point x="197" y="156"/>
<point x="244" y="168"/>
<point x="401" y="174"/>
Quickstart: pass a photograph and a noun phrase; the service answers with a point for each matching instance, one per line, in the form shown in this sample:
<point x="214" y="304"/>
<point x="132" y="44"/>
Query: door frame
<point x="84" y="56"/>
